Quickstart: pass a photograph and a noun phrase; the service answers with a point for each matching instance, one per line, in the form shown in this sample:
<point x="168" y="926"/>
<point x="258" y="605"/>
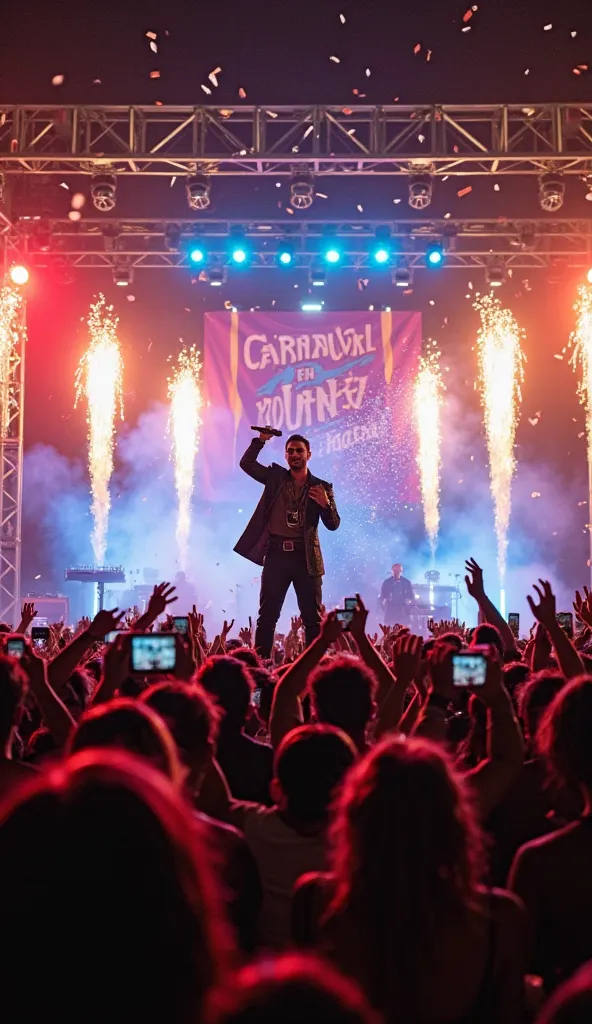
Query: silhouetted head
<point x="292" y="989"/>
<point x="125" y="724"/>
<point x="397" y="570"/>
<point x="534" y="698"/>
<point x="564" y="734"/>
<point x="229" y="682"/>
<point x="309" y="766"/>
<point x="102" y="851"/>
<point x="191" y="717"/>
<point x="342" y="691"/>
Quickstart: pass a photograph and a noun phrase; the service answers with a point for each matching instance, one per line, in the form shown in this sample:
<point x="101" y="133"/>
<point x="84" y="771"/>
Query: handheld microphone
<point x="268" y="430"/>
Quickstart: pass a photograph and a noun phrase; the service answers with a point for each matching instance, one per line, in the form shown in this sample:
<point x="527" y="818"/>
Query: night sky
<point x="279" y="53"/>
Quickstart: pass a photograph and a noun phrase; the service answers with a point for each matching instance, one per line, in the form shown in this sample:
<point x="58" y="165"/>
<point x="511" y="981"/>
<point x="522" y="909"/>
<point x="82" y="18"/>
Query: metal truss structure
<point x="164" y="244"/>
<point x="516" y="139"/>
<point x="12" y="397"/>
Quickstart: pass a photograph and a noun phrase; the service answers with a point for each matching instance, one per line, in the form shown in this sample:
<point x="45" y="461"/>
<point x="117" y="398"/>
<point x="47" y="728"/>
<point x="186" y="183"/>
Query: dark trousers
<point x="282" y="568"/>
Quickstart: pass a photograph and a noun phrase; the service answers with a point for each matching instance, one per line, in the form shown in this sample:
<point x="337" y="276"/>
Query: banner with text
<point x="344" y="380"/>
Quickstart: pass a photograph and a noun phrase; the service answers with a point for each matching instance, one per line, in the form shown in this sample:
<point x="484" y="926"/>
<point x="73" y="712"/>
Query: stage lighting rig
<point x="302" y="190"/>
<point x="103" y="192"/>
<point x="331" y="250"/>
<point x="198" y="191"/>
<point x="434" y="255"/>
<point x="420" y="191"/>
<point x="312" y="305"/>
<point x="198" y="254"/>
<point x="317" y="277"/>
<point x="19" y="275"/>
<point x="402" y="276"/>
<point x="172" y="238"/>
<point x="495" y="273"/>
<point x="551" y="192"/>
<point x="123" y="275"/>
<point x="239" y="249"/>
<point x="381" y="251"/>
<point x="286" y="254"/>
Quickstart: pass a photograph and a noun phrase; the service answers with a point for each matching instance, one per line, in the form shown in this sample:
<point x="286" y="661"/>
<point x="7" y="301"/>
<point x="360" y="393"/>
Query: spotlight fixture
<point x="172" y="237"/>
<point x="402" y="276"/>
<point x="302" y="191"/>
<point x="381" y="250"/>
<point x="434" y="255"/>
<point x="18" y="274"/>
<point x="198" y="254"/>
<point x="103" y="191"/>
<point x="286" y="254"/>
<point x="526" y="240"/>
<point x="198" y="191"/>
<point x="551" y="192"/>
<point x="495" y="273"/>
<point x="317" y="277"/>
<point x="312" y="305"/>
<point x="216" y="277"/>
<point x="331" y="250"/>
<point x="420" y="191"/>
<point x="123" y="275"/>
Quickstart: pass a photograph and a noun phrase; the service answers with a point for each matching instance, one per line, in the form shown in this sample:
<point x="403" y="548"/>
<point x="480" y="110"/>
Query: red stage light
<point x="18" y="274"/>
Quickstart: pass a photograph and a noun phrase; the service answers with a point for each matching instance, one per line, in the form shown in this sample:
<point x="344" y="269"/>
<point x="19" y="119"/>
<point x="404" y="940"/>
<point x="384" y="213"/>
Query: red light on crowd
<point x="18" y="274"/>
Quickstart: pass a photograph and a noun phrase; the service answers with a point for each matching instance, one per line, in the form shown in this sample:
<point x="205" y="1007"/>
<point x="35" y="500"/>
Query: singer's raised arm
<point x="249" y="461"/>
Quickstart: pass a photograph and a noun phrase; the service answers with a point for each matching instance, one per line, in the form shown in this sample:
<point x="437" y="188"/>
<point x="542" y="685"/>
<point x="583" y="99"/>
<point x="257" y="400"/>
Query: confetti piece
<point x="535" y="494"/>
<point x="74" y="215"/>
<point x="347" y="111"/>
<point x="216" y="71"/>
<point x="429" y="55"/>
<point x="464" y="191"/>
<point x="355" y="91"/>
<point x="207" y="91"/>
<point x="417" y="48"/>
<point x="155" y="74"/>
<point x="368" y="72"/>
<point x="131" y="298"/>
<point x="228" y="113"/>
<point x="396" y="201"/>
<point x="577" y="71"/>
<point x="342" y="19"/>
<point x="97" y="81"/>
<point x="573" y="34"/>
<point x="213" y="79"/>
<point x="468" y="15"/>
<point x="447" y="216"/>
<point x="242" y="93"/>
<point x="58" y="79"/>
<point x="321" y="195"/>
<point x="308" y="131"/>
<point x="360" y="208"/>
<point x="432" y="303"/>
<point x="153" y="47"/>
<point x="271" y="113"/>
<point x="278" y="184"/>
<point x="582" y="434"/>
<point x="78" y="200"/>
<point x="527" y="72"/>
<point x="290" y="210"/>
<point x="172" y="181"/>
<point x="158" y="103"/>
<point x="64" y="185"/>
<point x="583" y="67"/>
<point x="557" y="356"/>
<point x="335" y="60"/>
<point x="151" y="35"/>
<point x="421" y="138"/>
<point x="467" y="28"/>
<point x="496" y="187"/>
<point x="547" y="28"/>
<point x="533" y="422"/>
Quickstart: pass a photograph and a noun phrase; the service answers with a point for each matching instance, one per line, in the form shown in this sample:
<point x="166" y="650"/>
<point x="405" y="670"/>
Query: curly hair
<point x="407" y="856"/>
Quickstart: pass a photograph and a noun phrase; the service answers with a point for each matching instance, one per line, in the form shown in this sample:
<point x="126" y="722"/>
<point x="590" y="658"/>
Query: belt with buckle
<point x="287" y="545"/>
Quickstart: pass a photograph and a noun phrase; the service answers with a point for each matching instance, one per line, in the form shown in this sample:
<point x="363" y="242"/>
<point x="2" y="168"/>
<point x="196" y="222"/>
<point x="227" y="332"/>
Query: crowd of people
<point x="349" y="836"/>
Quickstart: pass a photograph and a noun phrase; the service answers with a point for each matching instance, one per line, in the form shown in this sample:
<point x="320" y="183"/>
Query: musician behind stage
<point x="396" y="598"/>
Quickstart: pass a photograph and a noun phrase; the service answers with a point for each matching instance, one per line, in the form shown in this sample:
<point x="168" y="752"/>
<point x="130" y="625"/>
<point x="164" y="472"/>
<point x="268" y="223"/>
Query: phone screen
<point x="154" y="652"/>
<point x="39" y="636"/>
<point x="565" y="620"/>
<point x="181" y="624"/>
<point x="469" y="669"/>
<point x="345" y="616"/>
<point x="350" y="604"/>
<point x="514" y="624"/>
<point x="256" y="697"/>
<point x="15" y="648"/>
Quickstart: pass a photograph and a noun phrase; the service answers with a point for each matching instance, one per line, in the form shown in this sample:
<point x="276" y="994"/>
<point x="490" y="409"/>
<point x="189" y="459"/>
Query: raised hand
<point x="583" y="607"/>
<point x="385" y="629"/>
<point x="227" y="626"/>
<point x="28" y="613"/>
<point x="331" y="628"/>
<point x="358" y="623"/>
<point x="474" y="579"/>
<point x="105" y="622"/>
<point x="318" y="493"/>
<point x="546" y="610"/>
<point x="407" y="657"/>
<point x="246" y="634"/>
<point x="162" y="596"/>
<point x="295" y="624"/>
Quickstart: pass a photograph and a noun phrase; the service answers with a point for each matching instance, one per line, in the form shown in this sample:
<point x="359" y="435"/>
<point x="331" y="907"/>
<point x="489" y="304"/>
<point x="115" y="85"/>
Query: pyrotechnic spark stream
<point x="99" y="379"/>
<point x="427" y="404"/>
<point x="581" y="359"/>
<point x="501" y="372"/>
<point x="184" y="425"/>
<point x="11" y="302"/>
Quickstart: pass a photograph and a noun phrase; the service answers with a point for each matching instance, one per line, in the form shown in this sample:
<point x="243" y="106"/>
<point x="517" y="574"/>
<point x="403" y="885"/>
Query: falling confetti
<point x="207" y="91"/>
<point x="417" y="48"/>
<point x="496" y="187"/>
<point x="573" y="34"/>
<point x="428" y="389"/>
<point x="213" y="78"/>
<point x="368" y="72"/>
<point x="99" y="379"/>
<point x="468" y="14"/>
<point x="547" y="28"/>
<point x="58" y="80"/>
<point x="501" y="374"/>
<point x="335" y="60"/>
<point x="153" y="46"/>
<point x="184" y="393"/>
<point x="464" y="191"/>
<point x="467" y="28"/>
<point x="242" y="93"/>
<point x="151" y="35"/>
<point x="342" y="19"/>
<point x="155" y="74"/>
<point x="74" y="215"/>
<point x="535" y="494"/>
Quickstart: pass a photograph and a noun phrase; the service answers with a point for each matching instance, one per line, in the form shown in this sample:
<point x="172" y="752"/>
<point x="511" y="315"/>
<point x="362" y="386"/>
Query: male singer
<point x="282" y="536"/>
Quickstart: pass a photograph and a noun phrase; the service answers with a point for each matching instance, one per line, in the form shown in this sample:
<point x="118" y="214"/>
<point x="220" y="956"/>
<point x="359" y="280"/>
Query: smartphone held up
<point x="469" y="667"/>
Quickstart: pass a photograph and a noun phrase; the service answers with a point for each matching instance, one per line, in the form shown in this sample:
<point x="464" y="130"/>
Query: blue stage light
<point x="238" y="254"/>
<point x="286" y="254"/>
<point x="197" y="254"/>
<point x="332" y="255"/>
<point x="311" y="306"/>
<point x="434" y="255"/>
<point x="381" y="255"/>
